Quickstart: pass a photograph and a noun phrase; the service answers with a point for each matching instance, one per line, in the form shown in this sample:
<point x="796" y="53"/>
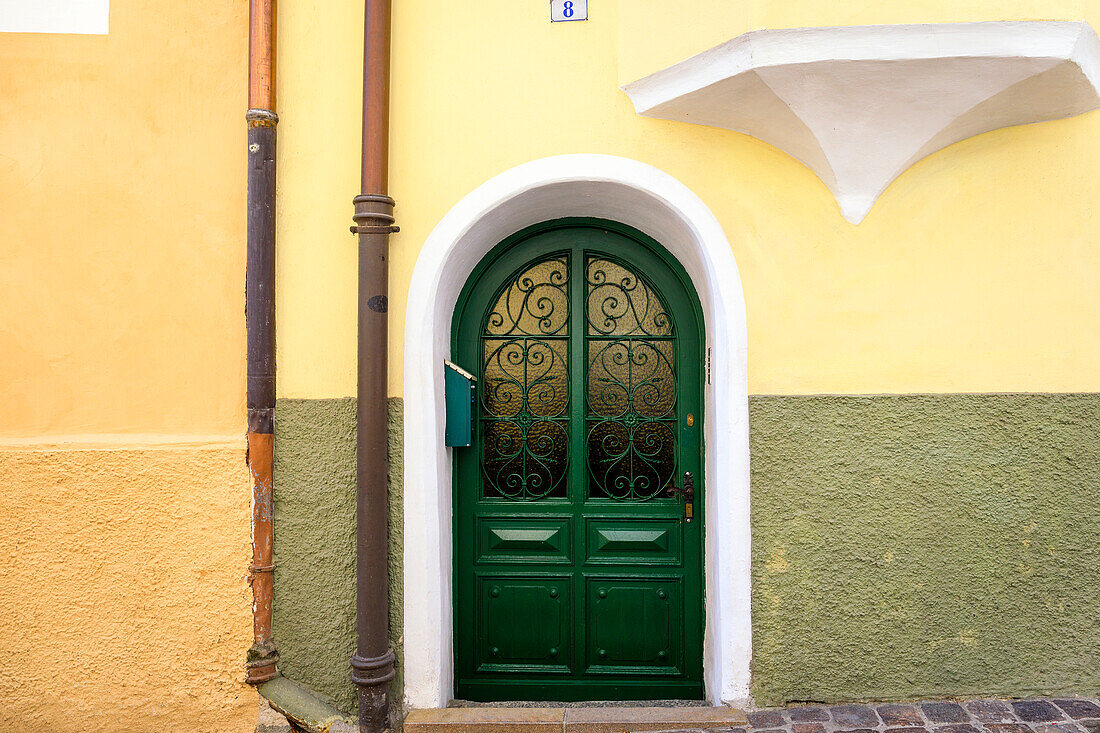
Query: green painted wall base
<point x="314" y="606"/>
<point x="903" y="546"/>
<point x="925" y="546"/>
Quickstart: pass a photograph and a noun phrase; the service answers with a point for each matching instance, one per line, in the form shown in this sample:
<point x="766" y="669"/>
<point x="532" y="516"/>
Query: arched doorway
<point x="578" y="510"/>
<point x="617" y="189"/>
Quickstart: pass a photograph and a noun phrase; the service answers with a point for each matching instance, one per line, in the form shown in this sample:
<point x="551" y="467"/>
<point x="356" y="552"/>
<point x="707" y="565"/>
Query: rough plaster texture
<point x="904" y="547"/>
<point x="314" y="611"/>
<point x="124" y="601"/>
<point x="924" y="546"/>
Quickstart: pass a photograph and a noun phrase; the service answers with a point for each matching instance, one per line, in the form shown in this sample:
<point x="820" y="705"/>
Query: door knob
<point x="688" y="490"/>
<point x="687" y="493"/>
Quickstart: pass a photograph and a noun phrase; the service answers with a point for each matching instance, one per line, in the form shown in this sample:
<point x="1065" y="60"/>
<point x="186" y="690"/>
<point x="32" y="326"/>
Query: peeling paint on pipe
<point x="263" y="657"/>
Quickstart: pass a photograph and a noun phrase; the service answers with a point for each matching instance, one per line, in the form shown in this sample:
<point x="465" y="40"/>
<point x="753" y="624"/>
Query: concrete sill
<point x="306" y="709"/>
<point x="569" y="720"/>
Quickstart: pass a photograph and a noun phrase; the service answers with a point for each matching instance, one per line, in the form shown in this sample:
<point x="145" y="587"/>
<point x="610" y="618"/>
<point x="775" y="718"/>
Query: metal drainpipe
<point x="260" y="321"/>
<point x="372" y="665"/>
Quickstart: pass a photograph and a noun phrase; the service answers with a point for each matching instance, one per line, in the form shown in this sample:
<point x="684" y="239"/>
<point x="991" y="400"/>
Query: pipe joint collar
<point x="373" y="671"/>
<point x="261" y="118"/>
<point x="373" y="214"/>
<point x="262" y="663"/>
<point x="261" y="419"/>
<point x="373" y="198"/>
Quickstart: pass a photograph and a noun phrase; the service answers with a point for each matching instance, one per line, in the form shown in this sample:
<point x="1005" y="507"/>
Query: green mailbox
<point x="458" y="388"/>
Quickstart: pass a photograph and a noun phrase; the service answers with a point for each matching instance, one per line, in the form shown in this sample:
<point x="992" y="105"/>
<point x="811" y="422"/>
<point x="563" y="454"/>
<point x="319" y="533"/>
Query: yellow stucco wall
<point x="124" y="602"/>
<point x="975" y="271"/>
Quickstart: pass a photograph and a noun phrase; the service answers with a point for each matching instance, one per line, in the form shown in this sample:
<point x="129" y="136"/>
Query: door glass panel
<point x="630" y="392"/>
<point x="630" y="463"/>
<point x="536" y="302"/>
<point x="618" y="303"/>
<point x="631" y="376"/>
<point x="525" y="385"/>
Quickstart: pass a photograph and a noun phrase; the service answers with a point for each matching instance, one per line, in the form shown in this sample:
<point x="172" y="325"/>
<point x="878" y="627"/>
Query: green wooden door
<point x="578" y="556"/>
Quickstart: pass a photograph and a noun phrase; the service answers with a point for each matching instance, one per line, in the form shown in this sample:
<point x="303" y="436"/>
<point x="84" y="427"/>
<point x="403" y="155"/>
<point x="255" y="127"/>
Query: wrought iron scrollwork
<point x="619" y="303"/>
<point x="535" y="303"/>
<point x="630" y="393"/>
<point x="525" y="386"/>
<point x="631" y="385"/>
<point x="631" y="379"/>
<point x="631" y="418"/>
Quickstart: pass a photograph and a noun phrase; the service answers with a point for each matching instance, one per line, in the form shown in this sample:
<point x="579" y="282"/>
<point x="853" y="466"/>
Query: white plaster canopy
<point x="858" y="105"/>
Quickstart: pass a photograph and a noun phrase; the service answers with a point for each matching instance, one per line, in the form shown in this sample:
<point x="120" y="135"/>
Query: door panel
<point x="633" y="626"/>
<point x="520" y="540"/>
<point x="625" y="541"/>
<point x="578" y="573"/>
<point x="509" y="641"/>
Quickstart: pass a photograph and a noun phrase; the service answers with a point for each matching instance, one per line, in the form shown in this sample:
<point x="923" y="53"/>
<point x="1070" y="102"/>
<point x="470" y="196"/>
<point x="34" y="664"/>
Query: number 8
<point x="567" y="8"/>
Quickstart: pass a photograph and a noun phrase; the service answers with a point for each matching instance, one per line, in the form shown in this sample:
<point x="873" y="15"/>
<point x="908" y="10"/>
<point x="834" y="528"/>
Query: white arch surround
<point x="650" y="200"/>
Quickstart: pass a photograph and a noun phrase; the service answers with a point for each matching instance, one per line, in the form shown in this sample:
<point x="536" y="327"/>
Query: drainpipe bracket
<point x="367" y="229"/>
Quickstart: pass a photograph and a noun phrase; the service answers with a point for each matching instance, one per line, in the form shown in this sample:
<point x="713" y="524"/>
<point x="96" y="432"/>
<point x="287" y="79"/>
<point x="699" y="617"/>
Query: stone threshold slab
<point x="569" y="720"/>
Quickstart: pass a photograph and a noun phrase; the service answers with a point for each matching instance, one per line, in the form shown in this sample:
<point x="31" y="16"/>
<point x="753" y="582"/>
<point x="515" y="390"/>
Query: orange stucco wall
<point x="124" y="602"/>
<point x="122" y="164"/>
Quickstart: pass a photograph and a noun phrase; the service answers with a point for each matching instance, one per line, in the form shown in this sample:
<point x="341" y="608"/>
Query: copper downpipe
<point x="261" y="55"/>
<point x="372" y="665"/>
<point x="260" y="322"/>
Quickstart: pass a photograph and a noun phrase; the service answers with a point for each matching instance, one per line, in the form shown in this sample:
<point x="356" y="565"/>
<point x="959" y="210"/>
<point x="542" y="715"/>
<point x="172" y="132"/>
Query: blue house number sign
<point x="562" y="10"/>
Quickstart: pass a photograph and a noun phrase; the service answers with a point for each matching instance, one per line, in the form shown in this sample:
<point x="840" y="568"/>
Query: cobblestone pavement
<point x="1057" y="715"/>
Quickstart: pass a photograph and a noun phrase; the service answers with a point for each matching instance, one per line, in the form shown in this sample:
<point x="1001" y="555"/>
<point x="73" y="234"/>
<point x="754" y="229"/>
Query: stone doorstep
<point x="569" y="720"/>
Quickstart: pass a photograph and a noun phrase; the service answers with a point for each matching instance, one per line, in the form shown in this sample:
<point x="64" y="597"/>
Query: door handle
<point x="687" y="493"/>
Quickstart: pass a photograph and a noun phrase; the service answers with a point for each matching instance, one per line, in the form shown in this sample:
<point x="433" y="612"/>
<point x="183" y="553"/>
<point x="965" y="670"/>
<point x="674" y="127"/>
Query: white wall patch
<point x="54" y="16"/>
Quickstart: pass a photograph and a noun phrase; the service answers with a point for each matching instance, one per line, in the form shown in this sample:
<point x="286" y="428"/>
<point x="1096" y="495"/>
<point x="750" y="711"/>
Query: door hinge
<point x="708" y="365"/>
